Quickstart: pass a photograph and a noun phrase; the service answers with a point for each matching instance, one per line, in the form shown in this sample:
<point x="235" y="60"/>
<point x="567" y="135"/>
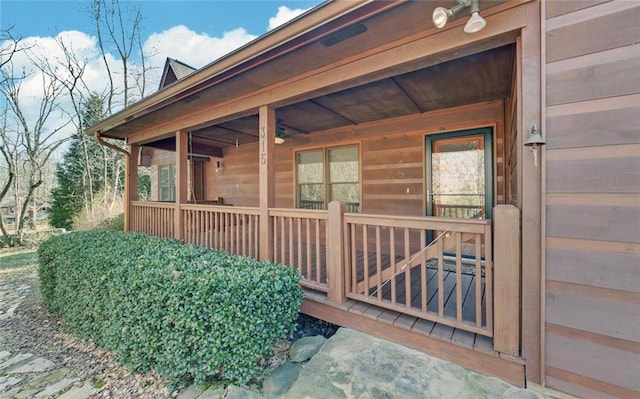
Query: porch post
<point x="530" y="98"/>
<point x="266" y="161"/>
<point x="335" y="255"/>
<point x="130" y="183"/>
<point x="181" y="181"/>
<point x="506" y="277"/>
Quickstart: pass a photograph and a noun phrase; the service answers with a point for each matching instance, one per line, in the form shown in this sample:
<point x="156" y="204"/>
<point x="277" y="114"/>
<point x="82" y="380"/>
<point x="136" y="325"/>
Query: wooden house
<point x="470" y="195"/>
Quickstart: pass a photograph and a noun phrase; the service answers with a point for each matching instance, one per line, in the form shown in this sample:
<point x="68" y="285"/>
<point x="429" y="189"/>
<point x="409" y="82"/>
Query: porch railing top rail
<point x="305" y="213"/>
<point x="241" y="210"/>
<point x="418" y="222"/>
<point x="154" y="204"/>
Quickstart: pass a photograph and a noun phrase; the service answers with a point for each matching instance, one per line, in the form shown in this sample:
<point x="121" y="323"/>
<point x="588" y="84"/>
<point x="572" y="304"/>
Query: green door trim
<point x="488" y="164"/>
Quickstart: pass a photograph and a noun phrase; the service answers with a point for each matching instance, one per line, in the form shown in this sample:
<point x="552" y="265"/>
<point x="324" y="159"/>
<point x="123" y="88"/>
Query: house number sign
<point x="263" y="145"/>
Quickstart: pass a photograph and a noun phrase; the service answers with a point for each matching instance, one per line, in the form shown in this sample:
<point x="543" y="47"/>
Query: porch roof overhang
<point x="306" y="70"/>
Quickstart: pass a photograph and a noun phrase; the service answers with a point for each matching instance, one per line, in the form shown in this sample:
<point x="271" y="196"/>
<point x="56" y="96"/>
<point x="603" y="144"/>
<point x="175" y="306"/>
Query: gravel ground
<point x="32" y="329"/>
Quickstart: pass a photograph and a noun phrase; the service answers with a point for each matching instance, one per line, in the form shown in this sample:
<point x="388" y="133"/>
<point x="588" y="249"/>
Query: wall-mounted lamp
<point x="219" y="165"/>
<point x="534" y="141"/>
<point x="281" y="132"/>
<point x="475" y="23"/>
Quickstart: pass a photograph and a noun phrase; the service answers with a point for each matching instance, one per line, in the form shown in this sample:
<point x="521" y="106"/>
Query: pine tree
<point x="80" y="172"/>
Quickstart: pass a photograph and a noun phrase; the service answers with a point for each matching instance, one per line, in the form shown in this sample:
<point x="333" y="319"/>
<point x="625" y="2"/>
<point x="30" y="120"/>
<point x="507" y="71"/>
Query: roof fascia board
<point x="322" y="14"/>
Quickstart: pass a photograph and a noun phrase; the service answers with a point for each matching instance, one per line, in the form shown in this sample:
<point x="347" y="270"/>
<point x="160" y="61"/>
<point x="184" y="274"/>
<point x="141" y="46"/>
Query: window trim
<point x="325" y="173"/>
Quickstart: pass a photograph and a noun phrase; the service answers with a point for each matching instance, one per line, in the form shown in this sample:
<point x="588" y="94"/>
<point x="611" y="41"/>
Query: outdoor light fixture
<point x="219" y="165"/>
<point x="475" y="23"/>
<point x="281" y="132"/>
<point x="534" y="141"/>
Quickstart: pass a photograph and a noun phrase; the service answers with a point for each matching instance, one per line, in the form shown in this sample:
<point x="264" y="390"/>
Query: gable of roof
<point x="174" y="70"/>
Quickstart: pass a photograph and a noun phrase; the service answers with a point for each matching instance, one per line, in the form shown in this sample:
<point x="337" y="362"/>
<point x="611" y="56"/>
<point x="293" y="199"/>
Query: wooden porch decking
<point x="412" y="324"/>
<point x="316" y="271"/>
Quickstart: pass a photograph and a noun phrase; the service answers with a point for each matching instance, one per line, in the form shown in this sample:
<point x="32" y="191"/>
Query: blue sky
<point x="214" y="17"/>
<point x="194" y="32"/>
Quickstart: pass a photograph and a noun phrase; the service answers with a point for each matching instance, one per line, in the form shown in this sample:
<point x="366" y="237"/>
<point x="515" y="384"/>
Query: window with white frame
<point x="328" y="174"/>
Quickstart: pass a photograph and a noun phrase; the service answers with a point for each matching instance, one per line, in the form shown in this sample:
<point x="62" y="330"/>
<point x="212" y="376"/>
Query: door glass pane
<point x="458" y="177"/>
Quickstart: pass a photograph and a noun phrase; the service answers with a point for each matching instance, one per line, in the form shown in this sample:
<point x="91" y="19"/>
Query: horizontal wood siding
<point x="592" y="298"/>
<point x="237" y="181"/>
<point x="392" y="160"/>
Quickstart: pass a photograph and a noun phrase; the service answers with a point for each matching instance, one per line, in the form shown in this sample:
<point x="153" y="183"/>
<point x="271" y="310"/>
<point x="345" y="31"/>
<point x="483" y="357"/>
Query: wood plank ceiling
<point x="480" y="77"/>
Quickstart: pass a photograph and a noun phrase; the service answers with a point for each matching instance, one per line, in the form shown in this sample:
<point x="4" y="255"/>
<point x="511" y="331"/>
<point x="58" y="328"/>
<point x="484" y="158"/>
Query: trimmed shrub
<point x="159" y="304"/>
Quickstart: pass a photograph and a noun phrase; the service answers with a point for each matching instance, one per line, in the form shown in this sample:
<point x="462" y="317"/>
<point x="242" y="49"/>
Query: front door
<point x="459" y="174"/>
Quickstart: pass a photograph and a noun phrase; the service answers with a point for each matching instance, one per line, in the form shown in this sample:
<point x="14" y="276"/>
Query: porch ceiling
<point x="462" y="76"/>
<point x="480" y="77"/>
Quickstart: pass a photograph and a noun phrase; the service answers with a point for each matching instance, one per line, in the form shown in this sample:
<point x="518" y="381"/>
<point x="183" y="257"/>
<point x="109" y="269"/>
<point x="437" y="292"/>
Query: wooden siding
<point x="392" y="160"/>
<point x="592" y="301"/>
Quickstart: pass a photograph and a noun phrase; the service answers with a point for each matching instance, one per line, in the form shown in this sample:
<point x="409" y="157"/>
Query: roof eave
<point x="312" y="19"/>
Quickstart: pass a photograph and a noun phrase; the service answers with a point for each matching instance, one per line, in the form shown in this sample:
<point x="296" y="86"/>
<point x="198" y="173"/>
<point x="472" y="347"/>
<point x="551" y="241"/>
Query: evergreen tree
<point x="81" y="172"/>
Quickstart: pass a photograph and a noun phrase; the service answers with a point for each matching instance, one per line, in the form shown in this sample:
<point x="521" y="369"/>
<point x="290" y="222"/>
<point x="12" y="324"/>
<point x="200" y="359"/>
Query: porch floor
<point x="410" y="323"/>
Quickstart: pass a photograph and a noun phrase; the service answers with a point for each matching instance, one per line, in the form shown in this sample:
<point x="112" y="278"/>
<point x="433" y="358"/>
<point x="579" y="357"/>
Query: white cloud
<point x="179" y="42"/>
<point x="195" y="49"/>
<point x="284" y="15"/>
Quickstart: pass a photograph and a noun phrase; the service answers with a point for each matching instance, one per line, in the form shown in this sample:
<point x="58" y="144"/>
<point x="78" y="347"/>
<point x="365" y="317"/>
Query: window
<point x="325" y="175"/>
<point x="167" y="183"/>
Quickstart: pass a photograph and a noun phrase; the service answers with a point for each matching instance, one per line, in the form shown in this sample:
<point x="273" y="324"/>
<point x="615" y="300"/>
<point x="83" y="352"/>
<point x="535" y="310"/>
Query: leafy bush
<point x="159" y="304"/>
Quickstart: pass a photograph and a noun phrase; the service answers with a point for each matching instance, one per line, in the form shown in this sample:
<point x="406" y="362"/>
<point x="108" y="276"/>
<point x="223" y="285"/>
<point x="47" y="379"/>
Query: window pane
<point x="166" y="183"/>
<point x="311" y="196"/>
<point x="347" y="192"/>
<point x="310" y="167"/>
<point x="343" y="165"/>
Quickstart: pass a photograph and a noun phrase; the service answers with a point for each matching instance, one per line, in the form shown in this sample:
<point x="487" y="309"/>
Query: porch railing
<point x="234" y="230"/>
<point x="438" y="269"/>
<point x="300" y="240"/>
<point x="391" y="262"/>
<point x="153" y="218"/>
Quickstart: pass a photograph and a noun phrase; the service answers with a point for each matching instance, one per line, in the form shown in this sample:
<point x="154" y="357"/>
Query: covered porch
<point x="376" y="249"/>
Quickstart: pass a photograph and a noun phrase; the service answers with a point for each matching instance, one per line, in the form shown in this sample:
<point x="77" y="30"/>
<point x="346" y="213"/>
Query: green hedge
<point x="159" y="304"/>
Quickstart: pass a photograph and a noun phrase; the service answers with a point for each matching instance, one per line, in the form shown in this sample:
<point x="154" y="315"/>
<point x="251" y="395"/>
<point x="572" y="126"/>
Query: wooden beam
<point x="266" y="160"/>
<point x="531" y="199"/>
<point x="506" y="336"/>
<point x="335" y="257"/>
<point x="130" y="183"/>
<point x="182" y="145"/>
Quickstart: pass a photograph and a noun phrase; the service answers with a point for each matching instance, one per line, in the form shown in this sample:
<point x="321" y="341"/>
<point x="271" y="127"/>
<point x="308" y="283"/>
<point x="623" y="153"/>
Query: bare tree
<point x="10" y="46"/>
<point x="33" y="140"/>
<point x="114" y="31"/>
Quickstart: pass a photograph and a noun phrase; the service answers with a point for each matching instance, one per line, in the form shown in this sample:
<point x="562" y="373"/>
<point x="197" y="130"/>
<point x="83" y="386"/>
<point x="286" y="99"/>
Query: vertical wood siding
<point x="592" y="329"/>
